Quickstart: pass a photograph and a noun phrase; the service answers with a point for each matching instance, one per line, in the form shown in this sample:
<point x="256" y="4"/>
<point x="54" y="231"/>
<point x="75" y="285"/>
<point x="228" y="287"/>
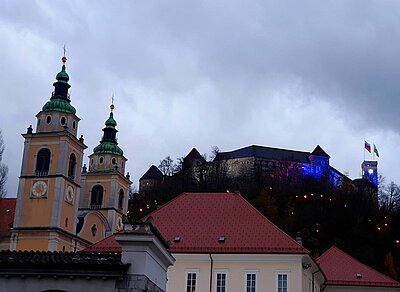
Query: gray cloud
<point x="229" y="73"/>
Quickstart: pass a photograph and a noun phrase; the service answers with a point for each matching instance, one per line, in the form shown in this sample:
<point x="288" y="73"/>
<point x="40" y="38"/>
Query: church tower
<point x="104" y="200"/>
<point x="49" y="183"/>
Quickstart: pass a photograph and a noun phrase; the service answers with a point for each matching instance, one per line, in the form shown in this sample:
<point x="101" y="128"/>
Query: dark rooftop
<point x="265" y="152"/>
<point x="152" y="173"/>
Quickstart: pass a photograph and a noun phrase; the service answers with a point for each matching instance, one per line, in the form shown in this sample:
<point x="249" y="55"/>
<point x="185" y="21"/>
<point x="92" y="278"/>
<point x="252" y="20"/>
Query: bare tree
<point x="389" y="197"/>
<point x="167" y="166"/>
<point x="3" y="169"/>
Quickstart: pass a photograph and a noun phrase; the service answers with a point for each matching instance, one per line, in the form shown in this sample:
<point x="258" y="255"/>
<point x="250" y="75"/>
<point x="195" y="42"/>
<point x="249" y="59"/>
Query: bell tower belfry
<point x="49" y="182"/>
<point x="105" y="187"/>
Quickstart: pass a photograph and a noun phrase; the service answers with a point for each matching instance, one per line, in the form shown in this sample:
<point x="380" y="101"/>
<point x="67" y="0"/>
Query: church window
<point x="122" y="164"/>
<point x="71" y="166"/>
<point x="74" y="124"/>
<point x="94" y="230"/>
<point x="48" y="119"/>
<point x="101" y="160"/>
<point x="121" y="199"/>
<point x="96" y="200"/>
<point x="114" y="161"/>
<point x="91" y="161"/>
<point x="66" y="222"/>
<point x="43" y="162"/>
<point x="63" y="120"/>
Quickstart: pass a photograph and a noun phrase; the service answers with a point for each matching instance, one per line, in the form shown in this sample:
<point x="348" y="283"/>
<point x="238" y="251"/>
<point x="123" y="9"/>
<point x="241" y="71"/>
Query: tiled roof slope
<point x="7" y="211"/>
<point x="342" y="269"/>
<point x="200" y="219"/>
<point x="267" y="153"/>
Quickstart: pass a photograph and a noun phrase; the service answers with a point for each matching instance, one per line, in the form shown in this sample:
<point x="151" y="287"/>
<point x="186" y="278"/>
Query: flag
<point x="376" y="151"/>
<point x="367" y="146"/>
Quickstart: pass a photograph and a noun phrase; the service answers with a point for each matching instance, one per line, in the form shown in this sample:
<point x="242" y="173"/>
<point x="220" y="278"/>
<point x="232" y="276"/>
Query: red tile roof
<point x="200" y="219"/>
<point x="7" y="211"/>
<point x="342" y="269"/>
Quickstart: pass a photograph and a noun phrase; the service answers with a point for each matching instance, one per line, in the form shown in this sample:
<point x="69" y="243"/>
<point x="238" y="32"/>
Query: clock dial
<point x="39" y="188"/>
<point x="69" y="194"/>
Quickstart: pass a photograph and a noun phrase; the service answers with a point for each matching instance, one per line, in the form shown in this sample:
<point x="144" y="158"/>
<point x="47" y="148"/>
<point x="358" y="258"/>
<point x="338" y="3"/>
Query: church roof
<point x="343" y="270"/>
<point x="7" y="211"/>
<point x="152" y="173"/>
<point x="215" y="222"/>
<point x="265" y="152"/>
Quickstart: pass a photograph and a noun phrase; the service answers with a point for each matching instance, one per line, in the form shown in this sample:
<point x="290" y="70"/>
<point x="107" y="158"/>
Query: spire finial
<point x="64" y="59"/>
<point x="112" y="103"/>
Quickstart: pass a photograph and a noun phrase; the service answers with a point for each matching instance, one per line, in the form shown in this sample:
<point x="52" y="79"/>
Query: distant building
<point x="370" y="171"/>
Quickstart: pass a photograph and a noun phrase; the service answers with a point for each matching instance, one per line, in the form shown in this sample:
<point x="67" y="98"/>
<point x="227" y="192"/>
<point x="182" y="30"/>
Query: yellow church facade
<point x="61" y="206"/>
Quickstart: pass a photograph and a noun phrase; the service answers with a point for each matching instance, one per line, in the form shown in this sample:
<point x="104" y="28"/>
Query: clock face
<point x="69" y="194"/>
<point x="39" y="188"/>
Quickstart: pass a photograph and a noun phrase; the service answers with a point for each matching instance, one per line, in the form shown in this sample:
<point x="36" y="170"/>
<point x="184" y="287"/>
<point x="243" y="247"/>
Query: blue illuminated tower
<point x="370" y="171"/>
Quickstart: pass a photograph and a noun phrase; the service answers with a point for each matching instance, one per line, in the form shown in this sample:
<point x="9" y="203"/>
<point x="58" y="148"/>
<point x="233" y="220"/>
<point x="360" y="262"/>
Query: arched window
<point x="71" y="166"/>
<point x="97" y="197"/>
<point x="121" y="199"/>
<point x="43" y="162"/>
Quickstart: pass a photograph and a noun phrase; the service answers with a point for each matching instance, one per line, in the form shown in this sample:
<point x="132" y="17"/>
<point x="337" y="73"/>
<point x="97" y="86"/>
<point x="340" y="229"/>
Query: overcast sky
<point x="286" y="74"/>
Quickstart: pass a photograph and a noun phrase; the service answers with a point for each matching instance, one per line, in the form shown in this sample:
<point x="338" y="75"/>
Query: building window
<point x="250" y="282"/>
<point x="101" y="160"/>
<point x="282" y="282"/>
<point x="220" y="282"/>
<point x="121" y="199"/>
<point x="96" y="200"/>
<point x="74" y="124"/>
<point x="63" y="121"/>
<point x="71" y="166"/>
<point x="191" y="281"/>
<point x="48" y="119"/>
<point x="43" y="162"/>
<point x="114" y="161"/>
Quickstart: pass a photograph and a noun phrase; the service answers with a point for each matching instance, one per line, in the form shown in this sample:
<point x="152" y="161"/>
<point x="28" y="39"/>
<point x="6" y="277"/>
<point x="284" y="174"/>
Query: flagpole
<point x="364" y="149"/>
<point x="373" y="153"/>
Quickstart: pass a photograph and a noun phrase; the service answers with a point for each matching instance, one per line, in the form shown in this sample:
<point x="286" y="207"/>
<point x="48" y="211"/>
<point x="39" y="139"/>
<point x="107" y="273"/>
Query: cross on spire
<point x="112" y="103"/>
<point x="64" y="59"/>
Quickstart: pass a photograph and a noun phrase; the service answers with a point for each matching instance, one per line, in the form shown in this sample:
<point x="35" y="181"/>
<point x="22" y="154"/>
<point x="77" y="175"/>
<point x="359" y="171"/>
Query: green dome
<point x="111" y="123"/>
<point x="108" y="148"/>
<point x="59" y="105"/>
<point x="62" y="76"/>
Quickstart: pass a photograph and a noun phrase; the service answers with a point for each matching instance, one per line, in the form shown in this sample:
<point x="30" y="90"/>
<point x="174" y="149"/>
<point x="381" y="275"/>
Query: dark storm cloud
<point x="289" y="74"/>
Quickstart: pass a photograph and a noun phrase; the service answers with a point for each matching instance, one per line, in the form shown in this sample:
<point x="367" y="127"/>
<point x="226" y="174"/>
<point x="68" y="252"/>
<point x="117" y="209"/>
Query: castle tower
<point x="49" y="184"/>
<point x="105" y="192"/>
<point x="370" y="171"/>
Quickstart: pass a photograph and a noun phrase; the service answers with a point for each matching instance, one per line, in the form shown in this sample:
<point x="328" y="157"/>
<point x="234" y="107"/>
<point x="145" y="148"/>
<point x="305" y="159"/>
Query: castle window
<point x="48" y="119"/>
<point x="71" y="166"/>
<point x="96" y="200"/>
<point x="121" y="199"/>
<point x="63" y="121"/>
<point x="43" y="162"/>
